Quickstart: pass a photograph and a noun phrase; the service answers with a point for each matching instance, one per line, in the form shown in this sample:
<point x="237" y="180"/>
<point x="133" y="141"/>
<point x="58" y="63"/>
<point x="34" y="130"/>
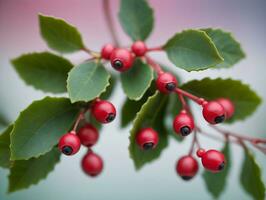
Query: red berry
<point x="213" y="160"/>
<point x="92" y="164"/>
<point x="107" y="51"/>
<point x="228" y="106"/>
<point x="121" y="59"/>
<point x="187" y="167"/>
<point x="147" y="138"/>
<point x="200" y="152"/>
<point x="183" y="123"/>
<point x="88" y="135"/>
<point x="139" y="48"/>
<point x="166" y="82"/>
<point x="213" y="112"/>
<point x="103" y="111"/>
<point x="69" y="144"/>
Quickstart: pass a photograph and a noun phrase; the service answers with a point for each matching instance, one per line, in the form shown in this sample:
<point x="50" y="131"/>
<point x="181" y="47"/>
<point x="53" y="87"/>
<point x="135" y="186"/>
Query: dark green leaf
<point x="192" y="50"/>
<point x="227" y="46"/>
<point x="131" y="107"/>
<point x="44" y="71"/>
<point x="245" y="100"/>
<point x="25" y="173"/>
<point x="4" y="148"/>
<point x="251" y="177"/>
<point x="39" y="127"/>
<point x="137" y="80"/>
<point x="216" y="182"/>
<point x="60" y="35"/>
<point x="87" y="81"/>
<point x="150" y="115"/>
<point x="136" y="18"/>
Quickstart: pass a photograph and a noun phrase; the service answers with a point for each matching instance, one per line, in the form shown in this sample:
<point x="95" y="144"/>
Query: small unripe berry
<point x="107" y="50"/>
<point x="69" y="144"/>
<point x="92" y="164"/>
<point x="121" y="59"/>
<point x="213" y="112"/>
<point x="103" y="111"/>
<point x="88" y="135"/>
<point x="213" y="160"/>
<point x="228" y="106"/>
<point x="187" y="167"/>
<point x="147" y="138"/>
<point x="166" y="82"/>
<point x="139" y="48"/>
<point x="183" y="123"/>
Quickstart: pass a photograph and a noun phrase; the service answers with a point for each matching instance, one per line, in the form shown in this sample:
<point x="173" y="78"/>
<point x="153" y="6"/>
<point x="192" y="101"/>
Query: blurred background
<point x="19" y="33"/>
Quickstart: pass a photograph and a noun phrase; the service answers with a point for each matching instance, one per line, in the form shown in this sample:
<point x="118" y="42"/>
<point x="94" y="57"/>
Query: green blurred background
<point x="19" y="34"/>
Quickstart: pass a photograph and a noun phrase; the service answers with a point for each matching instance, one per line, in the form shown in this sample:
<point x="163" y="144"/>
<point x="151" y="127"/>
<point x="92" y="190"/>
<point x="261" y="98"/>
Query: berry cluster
<point x="87" y="135"/>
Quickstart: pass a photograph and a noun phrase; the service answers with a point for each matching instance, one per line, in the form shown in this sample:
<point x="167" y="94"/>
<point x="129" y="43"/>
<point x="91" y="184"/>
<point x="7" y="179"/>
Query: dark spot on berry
<point x="185" y="130"/>
<point x="148" y="146"/>
<point x="186" y="178"/>
<point x="117" y="64"/>
<point x="170" y="86"/>
<point x="67" y="150"/>
<point x="221" y="166"/>
<point x="110" y="117"/>
<point x="219" y="119"/>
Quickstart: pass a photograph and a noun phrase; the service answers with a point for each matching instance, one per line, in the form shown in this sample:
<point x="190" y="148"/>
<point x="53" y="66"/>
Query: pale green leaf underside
<point x="39" y="127"/>
<point x="244" y="98"/>
<point x="136" y="18"/>
<point x="216" y="182"/>
<point x="44" y="71"/>
<point x="87" y="81"/>
<point x="227" y="46"/>
<point x="137" y="80"/>
<point x="4" y="147"/>
<point x="251" y="177"/>
<point x="60" y="35"/>
<point x="192" y="50"/>
<point x="25" y="173"/>
<point x="150" y="115"/>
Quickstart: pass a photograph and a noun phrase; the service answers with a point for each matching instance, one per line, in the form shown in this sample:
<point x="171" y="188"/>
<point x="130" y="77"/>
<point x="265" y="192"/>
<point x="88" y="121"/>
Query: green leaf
<point x="60" y="35"/>
<point x="245" y="100"/>
<point x="136" y="18"/>
<point x="39" y="127"/>
<point x="150" y="115"/>
<point x="251" y="177"/>
<point x="4" y="148"/>
<point x="44" y="71"/>
<point x="137" y="80"/>
<point x="25" y="173"/>
<point x="216" y="182"/>
<point x="110" y="88"/>
<point x="192" y="50"/>
<point x="227" y="46"/>
<point x="87" y="81"/>
<point x="131" y="107"/>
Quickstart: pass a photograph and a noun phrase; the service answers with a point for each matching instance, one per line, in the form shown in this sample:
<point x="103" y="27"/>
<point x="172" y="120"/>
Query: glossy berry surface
<point x="147" y="138"/>
<point x="213" y="160"/>
<point x="213" y="112"/>
<point x="228" y="106"/>
<point x="107" y="50"/>
<point x="88" y="135"/>
<point x="103" y="111"/>
<point x="92" y="164"/>
<point x="200" y="152"/>
<point x="166" y="82"/>
<point x="183" y="123"/>
<point x="121" y="59"/>
<point x="187" y="167"/>
<point x="69" y="144"/>
<point x="139" y="48"/>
